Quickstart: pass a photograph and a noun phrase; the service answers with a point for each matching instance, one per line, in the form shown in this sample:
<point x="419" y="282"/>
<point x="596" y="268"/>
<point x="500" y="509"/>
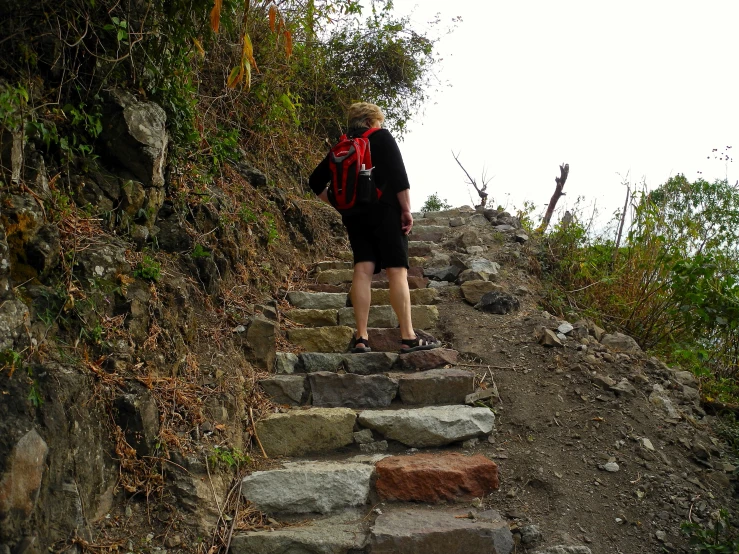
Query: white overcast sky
<point x="646" y="88"/>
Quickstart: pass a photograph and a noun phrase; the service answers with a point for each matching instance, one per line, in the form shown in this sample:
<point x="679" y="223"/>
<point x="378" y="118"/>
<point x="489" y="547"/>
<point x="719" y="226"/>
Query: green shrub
<point x="435" y="204"/>
<point x="148" y="269"/>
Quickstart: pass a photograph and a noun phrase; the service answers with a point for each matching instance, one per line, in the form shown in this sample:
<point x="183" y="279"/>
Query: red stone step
<point x="434" y="478"/>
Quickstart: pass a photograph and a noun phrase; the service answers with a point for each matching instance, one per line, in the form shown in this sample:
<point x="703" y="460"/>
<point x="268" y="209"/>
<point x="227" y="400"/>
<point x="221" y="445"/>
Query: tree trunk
<point x="564" y="171"/>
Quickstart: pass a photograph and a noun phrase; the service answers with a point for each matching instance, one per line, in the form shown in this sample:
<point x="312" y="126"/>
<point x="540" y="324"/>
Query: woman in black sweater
<point x="378" y="233"/>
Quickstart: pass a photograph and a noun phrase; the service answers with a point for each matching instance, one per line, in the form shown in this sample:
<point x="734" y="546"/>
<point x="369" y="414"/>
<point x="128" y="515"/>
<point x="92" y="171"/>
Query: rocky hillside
<point x="138" y="306"/>
<point x="174" y="379"/>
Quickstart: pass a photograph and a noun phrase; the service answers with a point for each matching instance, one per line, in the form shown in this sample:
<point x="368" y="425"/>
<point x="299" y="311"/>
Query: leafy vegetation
<point x="718" y="537"/>
<point x="673" y="284"/>
<point x="435" y="204"/>
<point x="149" y="269"/>
<point x="299" y="64"/>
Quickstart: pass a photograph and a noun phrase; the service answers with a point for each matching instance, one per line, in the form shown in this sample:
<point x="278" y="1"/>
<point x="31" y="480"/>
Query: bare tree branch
<point x="564" y="171"/>
<point x="471" y="181"/>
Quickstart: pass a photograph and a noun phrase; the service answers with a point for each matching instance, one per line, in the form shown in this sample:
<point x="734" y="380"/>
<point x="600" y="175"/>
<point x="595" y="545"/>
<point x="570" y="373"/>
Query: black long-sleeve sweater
<point x="389" y="170"/>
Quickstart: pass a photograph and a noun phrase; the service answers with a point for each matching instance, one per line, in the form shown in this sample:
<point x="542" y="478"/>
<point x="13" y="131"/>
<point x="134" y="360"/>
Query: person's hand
<point x="406" y="222"/>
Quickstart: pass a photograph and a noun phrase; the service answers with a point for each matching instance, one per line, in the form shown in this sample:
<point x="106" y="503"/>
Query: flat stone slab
<point x="436" y="386"/>
<point x="333" y="390"/>
<point x="422" y="531"/>
<point x="340" y="534"/>
<point x="419" y="248"/>
<point x="310" y="362"/>
<point x="317" y="300"/>
<point x="416" y="261"/>
<point x="424" y="228"/>
<point x="422" y="360"/>
<point x="379" y="316"/>
<point x="304" y="431"/>
<point x="433" y="478"/>
<point x="286" y="389"/>
<point x="314" y="318"/>
<point x="324" y="266"/>
<point x="473" y="291"/>
<point x="309" y="487"/>
<point x="322" y="339"/>
<point x="335" y="276"/>
<point x="429" y="426"/>
<point x="424" y="317"/>
<point x="427" y="236"/>
<point x="369" y="363"/>
<point x="381" y="297"/>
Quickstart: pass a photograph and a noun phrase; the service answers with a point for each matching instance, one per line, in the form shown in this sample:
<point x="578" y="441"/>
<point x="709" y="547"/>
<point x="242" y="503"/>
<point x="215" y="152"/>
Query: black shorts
<point x="376" y="236"/>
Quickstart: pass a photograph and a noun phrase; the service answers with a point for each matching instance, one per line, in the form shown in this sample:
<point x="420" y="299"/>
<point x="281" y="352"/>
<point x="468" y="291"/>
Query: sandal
<point x="414" y="345"/>
<point x="359" y="345"/>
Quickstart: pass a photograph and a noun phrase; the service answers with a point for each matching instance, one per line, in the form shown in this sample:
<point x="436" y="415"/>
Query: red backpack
<point x="350" y="161"/>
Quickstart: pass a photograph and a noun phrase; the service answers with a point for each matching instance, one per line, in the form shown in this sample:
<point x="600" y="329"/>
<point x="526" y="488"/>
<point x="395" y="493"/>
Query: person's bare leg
<point x="362" y="295"/>
<point x="400" y="300"/>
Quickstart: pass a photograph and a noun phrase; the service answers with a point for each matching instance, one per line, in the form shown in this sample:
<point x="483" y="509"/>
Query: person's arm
<point x="406" y="218"/>
<point x="319" y="179"/>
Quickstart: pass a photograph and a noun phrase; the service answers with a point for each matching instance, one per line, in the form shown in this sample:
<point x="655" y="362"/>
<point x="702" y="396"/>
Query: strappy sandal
<point x="414" y="345"/>
<point x="355" y="348"/>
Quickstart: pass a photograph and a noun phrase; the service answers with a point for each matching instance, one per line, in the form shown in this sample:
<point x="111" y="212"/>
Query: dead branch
<point x="471" y="181"/>
<point x="564" y="170"/>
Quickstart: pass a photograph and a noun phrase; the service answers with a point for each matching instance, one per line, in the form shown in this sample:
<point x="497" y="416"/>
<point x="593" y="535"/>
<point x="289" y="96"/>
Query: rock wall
<point x="134" y="319"/>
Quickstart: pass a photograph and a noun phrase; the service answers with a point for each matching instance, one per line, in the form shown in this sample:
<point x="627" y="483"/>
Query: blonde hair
<point x="363" y="114"/>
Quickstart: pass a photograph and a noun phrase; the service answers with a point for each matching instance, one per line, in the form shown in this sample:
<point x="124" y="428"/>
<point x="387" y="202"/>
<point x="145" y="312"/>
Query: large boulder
<point x="620" y="343"/>
<point x="497" y="302"/>
<point x="135" y="134"/>
<point x="21" y="482"/>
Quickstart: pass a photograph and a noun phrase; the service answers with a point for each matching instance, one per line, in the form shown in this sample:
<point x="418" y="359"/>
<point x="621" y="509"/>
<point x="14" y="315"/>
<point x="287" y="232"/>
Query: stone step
<point x="420" y="248"/>
<point x="314" y="318"/>
<point x="334" y="276"/>
<point x="464" y="211"/>
<point x="429" y="426"/>
<point x="368" y="363"/>
<point x="330" y="389"/>
<point x="340" y="534"/>
<point x="335" y="301"/>
<point x="346" y="390"/>
<point x="423" y="531"/>
<point x="305" y="431"/>
<point x="435" y="477"/>
<point x="322" y="339"/>
<point x="435" y="387"/>
<point x="424" y="317"/>
<point x="309" y="487"/>
<point x="381" y="297"/>
<point x="428" y="228"/>
<point x="317" y="300"/>
<point x="325" y="266"/>
<point x="336" y="339"/>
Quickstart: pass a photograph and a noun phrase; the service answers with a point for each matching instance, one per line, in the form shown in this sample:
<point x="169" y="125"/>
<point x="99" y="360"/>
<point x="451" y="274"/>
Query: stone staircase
<point x="338" y="486"/>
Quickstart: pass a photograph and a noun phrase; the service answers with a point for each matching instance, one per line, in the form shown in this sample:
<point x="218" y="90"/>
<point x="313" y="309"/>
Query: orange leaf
<point x="272" y="17"/>
<point x="288" y="43"/>
<point x="237" y="73"/>
<point x="215" y="16"/>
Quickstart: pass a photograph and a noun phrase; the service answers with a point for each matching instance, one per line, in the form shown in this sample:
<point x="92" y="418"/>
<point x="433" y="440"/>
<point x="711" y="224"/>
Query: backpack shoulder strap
<point x="368" y="132"/>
